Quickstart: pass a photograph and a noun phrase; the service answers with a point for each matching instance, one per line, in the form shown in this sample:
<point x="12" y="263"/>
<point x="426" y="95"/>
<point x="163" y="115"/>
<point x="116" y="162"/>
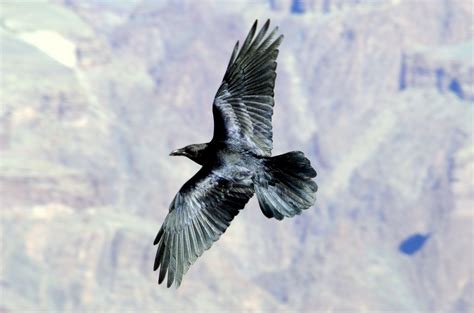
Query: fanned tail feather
<point x="285" y="187"/>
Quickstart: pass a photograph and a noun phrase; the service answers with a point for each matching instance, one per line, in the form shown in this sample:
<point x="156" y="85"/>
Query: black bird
<point x="236" y="163"/>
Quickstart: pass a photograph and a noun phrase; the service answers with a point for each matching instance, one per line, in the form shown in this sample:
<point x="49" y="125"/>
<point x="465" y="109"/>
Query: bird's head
<point x="195" y="152"/>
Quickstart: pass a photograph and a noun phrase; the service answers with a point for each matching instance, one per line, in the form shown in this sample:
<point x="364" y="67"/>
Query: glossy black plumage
<point x="243" y="106"/>
<point x="236" y="163"/>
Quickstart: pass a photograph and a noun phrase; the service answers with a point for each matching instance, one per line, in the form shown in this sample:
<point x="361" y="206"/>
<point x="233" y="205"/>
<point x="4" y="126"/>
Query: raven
<point x="236" y="163"/>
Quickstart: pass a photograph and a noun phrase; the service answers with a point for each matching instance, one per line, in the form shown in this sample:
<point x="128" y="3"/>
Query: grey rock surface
<point x="378" y="94"/>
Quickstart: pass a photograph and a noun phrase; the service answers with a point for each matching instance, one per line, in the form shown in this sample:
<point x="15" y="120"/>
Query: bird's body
<point x="236" y="163"/>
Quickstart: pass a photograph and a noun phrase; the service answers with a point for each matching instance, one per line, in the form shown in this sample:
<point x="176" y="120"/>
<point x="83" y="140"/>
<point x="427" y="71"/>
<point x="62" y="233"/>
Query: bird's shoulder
<point x="225" y="171"/>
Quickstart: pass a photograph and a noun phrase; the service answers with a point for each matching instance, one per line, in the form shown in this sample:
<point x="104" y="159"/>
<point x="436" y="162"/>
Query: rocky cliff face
<point x="377" y="93"/>
<point x="449" y="70"/>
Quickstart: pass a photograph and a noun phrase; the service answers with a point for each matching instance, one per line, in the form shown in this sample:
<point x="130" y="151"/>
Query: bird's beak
<point x="176" y="152"/>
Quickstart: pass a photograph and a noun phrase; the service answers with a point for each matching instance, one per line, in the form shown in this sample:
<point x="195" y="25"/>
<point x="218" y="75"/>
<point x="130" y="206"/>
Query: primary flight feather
<point x="236" y="163"/>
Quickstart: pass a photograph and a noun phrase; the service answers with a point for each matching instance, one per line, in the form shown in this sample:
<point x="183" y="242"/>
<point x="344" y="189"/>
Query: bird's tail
<point x="285" y="186"/>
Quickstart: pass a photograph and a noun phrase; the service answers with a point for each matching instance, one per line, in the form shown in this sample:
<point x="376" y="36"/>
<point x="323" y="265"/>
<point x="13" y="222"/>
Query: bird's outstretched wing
<point x="200" y="212"/>
<point x="243" y="106"/>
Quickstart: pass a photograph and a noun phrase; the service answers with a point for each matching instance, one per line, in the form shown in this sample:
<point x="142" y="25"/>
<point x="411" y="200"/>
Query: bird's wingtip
<point x="254" y="26"/>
